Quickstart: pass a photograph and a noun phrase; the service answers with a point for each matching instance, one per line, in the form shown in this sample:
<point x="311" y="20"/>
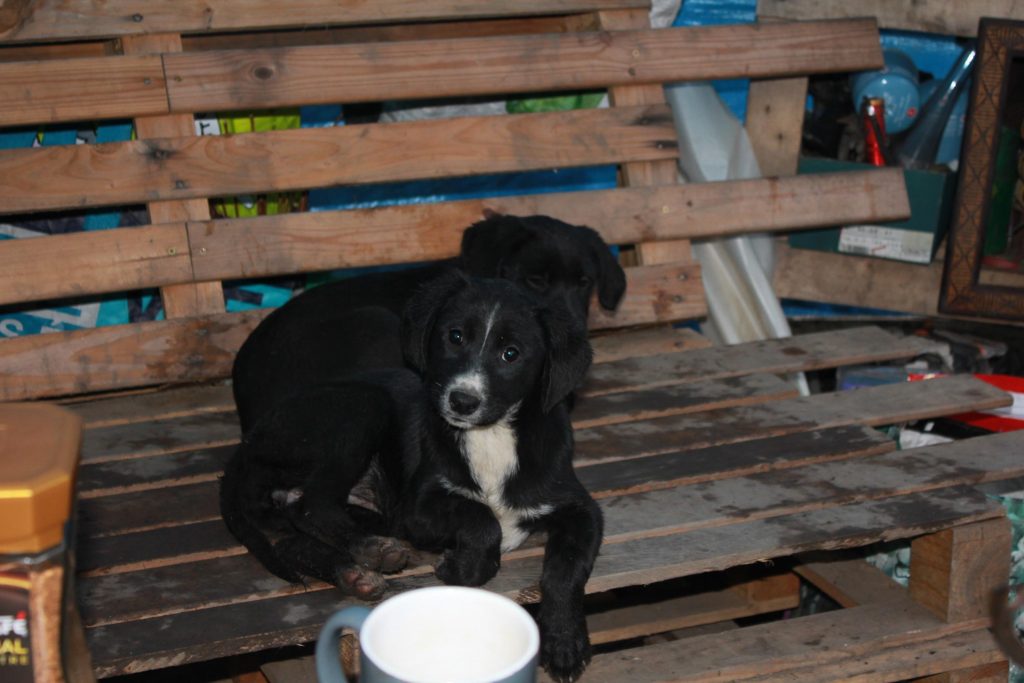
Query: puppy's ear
<point x="488" y="243"/>
<point x="420" y="312"/>
<point x="569" y="355"/>
<point x="611" y="279"/>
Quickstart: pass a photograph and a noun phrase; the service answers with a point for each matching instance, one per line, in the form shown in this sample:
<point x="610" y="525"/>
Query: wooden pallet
<point x="703" y="459"/>
<point x="734" y="478"/>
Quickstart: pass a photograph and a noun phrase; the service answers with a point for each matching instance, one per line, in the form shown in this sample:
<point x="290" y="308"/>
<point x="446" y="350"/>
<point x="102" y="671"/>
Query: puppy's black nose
<point x="463" y="403"/>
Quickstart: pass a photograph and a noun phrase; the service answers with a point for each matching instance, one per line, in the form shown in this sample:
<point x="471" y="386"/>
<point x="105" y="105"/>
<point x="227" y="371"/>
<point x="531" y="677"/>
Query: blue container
<point x="896" y="83"/>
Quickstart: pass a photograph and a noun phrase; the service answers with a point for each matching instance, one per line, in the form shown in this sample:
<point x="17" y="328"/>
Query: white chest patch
<point x="490" y="453"/>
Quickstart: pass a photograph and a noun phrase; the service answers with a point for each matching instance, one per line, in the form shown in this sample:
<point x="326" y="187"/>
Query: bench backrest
<point x="160" y="63"/>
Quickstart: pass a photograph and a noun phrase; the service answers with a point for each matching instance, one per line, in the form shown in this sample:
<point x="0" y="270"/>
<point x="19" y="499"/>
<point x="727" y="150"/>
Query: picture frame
<point x="966" y="290"/>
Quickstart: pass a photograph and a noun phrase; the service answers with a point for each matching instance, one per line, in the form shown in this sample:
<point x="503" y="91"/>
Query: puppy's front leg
<point x="467" y="529"/>
<point x="574" y="538"/>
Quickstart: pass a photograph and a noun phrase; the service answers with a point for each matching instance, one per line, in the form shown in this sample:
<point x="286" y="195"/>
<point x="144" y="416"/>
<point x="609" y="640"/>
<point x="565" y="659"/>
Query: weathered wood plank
<point x="203" y="347"/>
<point x="871" y="643"/>
<point x="650" y="341"/>
<point x="711" y="503"/>
<point x="506" y="64"/>
<point x="931" y="16"/>
<point x="173" y="435"/>
<point x="94" y="262"/>
<point x="183" y="298"/>
<point x="146" y="405"/>
<point x="873" y="406"/>
<point x="592" y="411"/>
<point x="81" y="89"/>
<point x="652" y="173"/>
<point x="84" y="19"/>
<point x="792" y="354"/>
<point x="274" y="245"/>
<point x="630" y="546"/>
<point x="257" y="624"/>
<point x="207" y="166"/>
<point x="120" y="549"/>
<point x="154" y="405"/>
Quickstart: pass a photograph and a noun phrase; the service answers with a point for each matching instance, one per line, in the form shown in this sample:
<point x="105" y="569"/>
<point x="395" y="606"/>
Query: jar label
<point x="15" y="639"/>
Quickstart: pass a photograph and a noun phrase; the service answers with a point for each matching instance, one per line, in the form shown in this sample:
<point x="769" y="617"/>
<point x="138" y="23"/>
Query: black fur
<point x="315" y="336"/>
<point x="491" y="359"/>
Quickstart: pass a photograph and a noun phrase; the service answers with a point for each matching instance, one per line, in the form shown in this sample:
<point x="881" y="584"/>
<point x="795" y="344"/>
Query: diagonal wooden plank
<point x="260" y="623"/>
<point x="82" y="19"/>
<point x="506" y="64"/>
<point x="813" y="351"/>
<point x="209" y="166"/>
<point x="872" y="406"/>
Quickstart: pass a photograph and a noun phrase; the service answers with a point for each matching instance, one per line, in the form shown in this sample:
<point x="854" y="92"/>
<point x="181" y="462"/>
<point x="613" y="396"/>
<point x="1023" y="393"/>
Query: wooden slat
<point x="119" y="356"/>
<point x="301" y="242"/>
<point x="852" y="582"/>
<point x="289" y="243"/>
<point x="871" y="643"/>
<point x="644" y="174"/>
<point x="805" y="352"/>
<point x="94" y="262"/>
<point x="151" y="404"/>
<point x="189" y="167"/>
<point x="637" y="523"/>
<point x="81" y="89"/>
<point x="179" y="300"/>
<point x="679" y="399"/>
<point x="82" y="19"/>
<point x="529" y="63"/>
<point x="931" y="16"/>
<point x="257" y="624"/>
<point x="874" y="406"/>
<point x="655" y="294"/>
<point x="203" y="348"/>
<point x="434" y="30"/>
<point x="117" y="545"/>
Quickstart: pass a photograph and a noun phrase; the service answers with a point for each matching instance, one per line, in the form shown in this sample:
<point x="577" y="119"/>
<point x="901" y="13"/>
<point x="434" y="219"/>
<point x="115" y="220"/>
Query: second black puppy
<point x="471" y="455"/>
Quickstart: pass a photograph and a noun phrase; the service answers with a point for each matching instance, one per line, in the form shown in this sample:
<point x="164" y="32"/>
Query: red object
<point x="1000" y="420"/>
<point x="872" y="112"/>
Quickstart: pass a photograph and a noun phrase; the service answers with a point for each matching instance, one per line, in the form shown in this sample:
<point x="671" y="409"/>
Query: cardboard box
<point x="914" y="240"/>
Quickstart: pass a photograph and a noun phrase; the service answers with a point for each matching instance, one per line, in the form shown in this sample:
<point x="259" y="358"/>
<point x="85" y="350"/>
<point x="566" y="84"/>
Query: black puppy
<point x="472" y="451"/>
<point x="315" y="337"/>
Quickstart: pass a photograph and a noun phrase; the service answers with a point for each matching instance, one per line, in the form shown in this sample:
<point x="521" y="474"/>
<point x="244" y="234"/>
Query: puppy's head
<point x="485" y="347"/>
<point x="561" y="262"/>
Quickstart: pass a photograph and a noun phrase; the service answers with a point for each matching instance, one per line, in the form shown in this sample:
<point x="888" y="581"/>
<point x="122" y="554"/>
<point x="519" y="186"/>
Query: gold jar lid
<point x="39" y="446"/>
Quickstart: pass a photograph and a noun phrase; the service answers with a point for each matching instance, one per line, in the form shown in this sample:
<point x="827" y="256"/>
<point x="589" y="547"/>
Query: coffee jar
<point x="39" y="625"/>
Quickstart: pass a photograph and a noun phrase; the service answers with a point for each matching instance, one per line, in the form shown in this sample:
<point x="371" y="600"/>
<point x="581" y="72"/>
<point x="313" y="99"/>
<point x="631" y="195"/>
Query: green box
<point x="914" y="240"/>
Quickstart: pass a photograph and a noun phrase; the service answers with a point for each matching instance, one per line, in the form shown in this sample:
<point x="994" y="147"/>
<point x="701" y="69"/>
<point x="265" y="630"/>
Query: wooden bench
<point x="717" y="479"/>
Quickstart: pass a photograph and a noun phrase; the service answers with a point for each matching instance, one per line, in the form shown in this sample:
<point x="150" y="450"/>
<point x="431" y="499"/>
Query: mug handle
<point x="328" y="666"/>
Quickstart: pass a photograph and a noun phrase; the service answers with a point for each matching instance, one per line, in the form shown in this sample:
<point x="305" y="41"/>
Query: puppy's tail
<point x="239" y="520"/>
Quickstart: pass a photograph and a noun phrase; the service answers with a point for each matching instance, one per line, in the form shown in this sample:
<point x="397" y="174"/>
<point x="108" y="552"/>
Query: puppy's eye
<point x="455" y="336"/>
<point x="510" y="354"/>
<point x="537" y="282"/>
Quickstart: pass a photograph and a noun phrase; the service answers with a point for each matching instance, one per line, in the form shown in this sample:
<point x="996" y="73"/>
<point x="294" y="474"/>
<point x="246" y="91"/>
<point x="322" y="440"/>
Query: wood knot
<point x="263" y="73"/>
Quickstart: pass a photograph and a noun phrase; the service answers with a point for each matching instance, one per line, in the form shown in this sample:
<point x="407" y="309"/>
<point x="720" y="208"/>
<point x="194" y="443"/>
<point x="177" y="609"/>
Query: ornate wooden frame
<point x="999" y="41"/>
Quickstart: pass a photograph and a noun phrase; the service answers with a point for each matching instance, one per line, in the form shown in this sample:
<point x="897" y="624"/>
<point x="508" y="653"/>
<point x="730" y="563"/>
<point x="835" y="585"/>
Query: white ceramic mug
<point x="443" y="634"/>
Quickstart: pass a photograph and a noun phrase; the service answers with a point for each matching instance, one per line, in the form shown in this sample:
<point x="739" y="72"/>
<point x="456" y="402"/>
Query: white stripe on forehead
<point x="490" y="323"/>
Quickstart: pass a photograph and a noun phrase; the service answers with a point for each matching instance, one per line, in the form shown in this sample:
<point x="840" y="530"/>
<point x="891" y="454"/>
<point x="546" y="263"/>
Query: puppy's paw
<point x="361" y="583"/>
<point x="564" y="652"/>
<point x="463" y="568"/>
<point x="381" y="553"/>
